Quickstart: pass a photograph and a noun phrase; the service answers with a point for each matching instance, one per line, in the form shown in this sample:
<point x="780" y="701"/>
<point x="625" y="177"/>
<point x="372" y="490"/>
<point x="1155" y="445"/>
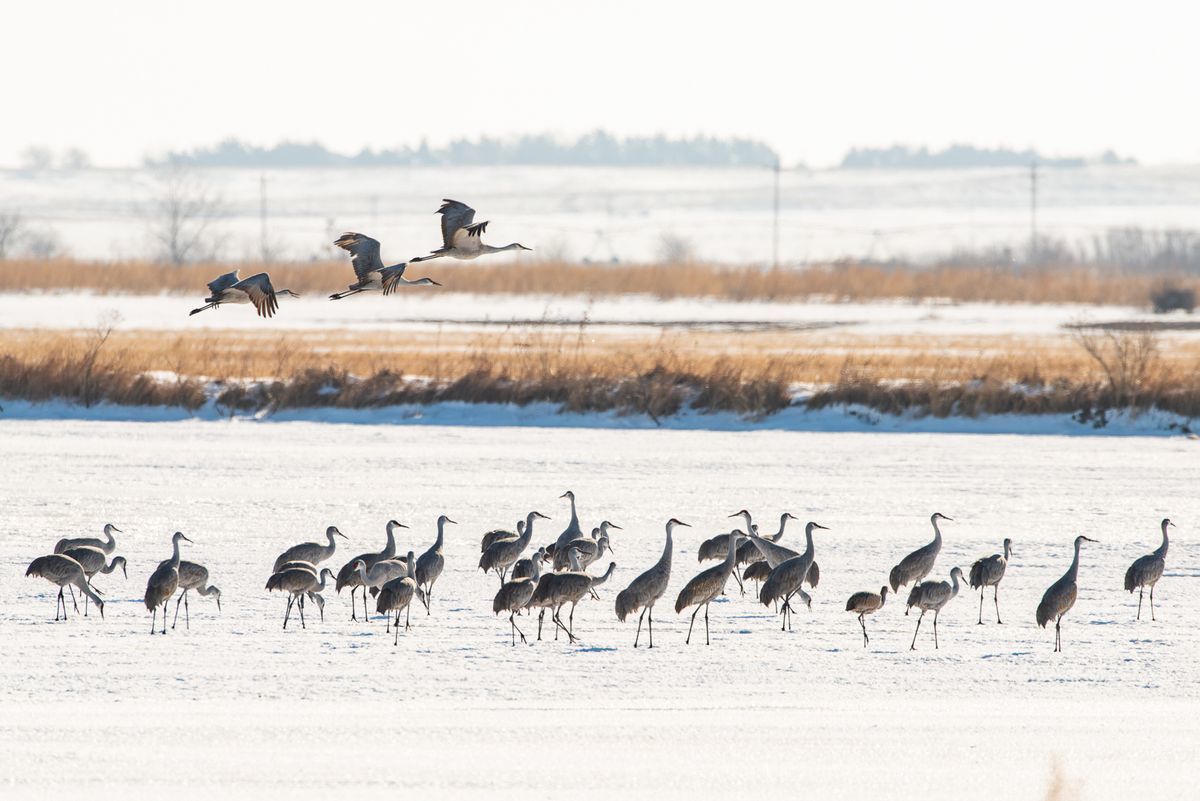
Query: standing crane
<point x="1147" y="570"/>
<point x="107" y="545"/>
<point x="193" y="576"/>
<point x="707" y="585"/>
<point x="396" y="596"/>
<point x="918" y="564"/>
<point x="461" y="235"/>
<point x="297" y="581"/>
<point x="645" y="590"/>
<point x="348" y="575"/>
<point x="987" y="572"/>
<point x="64" y="571"/>
<point x="866" y="603"/>
<point x="431" y="563"/>
<point x="501" y="554"/>
<point x="312" y="552"/>
<point x="163" y="582"/>
<point x="933" y="595"/>
<point x="94" y="561"/>
<point x="571" y="532"/>
<point x="1059" y="599"/>
<point x="515" y="595"/>
<point x="787" y="578"/>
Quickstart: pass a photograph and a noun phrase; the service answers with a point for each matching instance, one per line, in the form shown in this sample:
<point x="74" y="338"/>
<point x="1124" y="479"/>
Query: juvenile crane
<point x="369" y="270"/>
<point x="933" y="595"/>
<point x="163" y="582"/>
<point x="297" y="581"/>
<point x="396" y="596"/>
<point x="503" y="553"/>
<point x="707" y="585"/>
<point x="987" y="572"/>
<point x="645" y="590"/>
<point x="107" y="545"/>
<point x="461" y="235"/>
<point x="787" y="578"/>
<point x="866" y="603"/>
<point x="918" y="564"/>
<point x="64" y="571"/>
<point x="255" y="290"/>
<point x="431" y="563"/>
<point x="514" y="596"/>
<point x="193" y="576"/>
<point x="1059" y="599"/>
<point x="1147" y="570"/>
<point x="348" y="575"/>
<point x="312" y="552"/>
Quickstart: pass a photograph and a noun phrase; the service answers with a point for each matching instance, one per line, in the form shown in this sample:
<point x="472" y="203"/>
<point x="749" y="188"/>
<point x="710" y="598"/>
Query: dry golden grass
<point x="850" y="282"/>
<point x="752" y="373"/>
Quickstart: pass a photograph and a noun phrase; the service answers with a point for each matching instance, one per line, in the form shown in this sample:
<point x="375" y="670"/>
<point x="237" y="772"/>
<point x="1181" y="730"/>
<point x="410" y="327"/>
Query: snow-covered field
<point x="237" y="708"/>
<point x="425" y="310"/>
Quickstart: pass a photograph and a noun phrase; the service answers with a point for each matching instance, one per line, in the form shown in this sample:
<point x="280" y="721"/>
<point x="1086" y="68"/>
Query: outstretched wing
<point x="222" y="283"/>
<point x="455" y="216"/>
<point x="258" y="288"/>
<point x="391" y="277"/>
<point x="364" y="253"/>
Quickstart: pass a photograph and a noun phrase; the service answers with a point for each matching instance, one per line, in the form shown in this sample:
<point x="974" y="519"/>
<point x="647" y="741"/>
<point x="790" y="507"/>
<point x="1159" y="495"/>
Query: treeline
<point x="598" y="148"/>
<point x="904" y="157"/>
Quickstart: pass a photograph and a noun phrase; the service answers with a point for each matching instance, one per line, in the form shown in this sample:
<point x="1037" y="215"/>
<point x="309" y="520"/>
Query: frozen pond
<point x="237" y="707"/>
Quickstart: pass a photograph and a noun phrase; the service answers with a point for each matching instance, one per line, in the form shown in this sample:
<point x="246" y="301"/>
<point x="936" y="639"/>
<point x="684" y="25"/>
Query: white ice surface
<point x="424" y="310"/>
<point x="237" y="708"/>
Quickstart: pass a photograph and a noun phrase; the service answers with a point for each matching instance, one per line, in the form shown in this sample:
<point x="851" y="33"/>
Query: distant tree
<point x="181" y="215"/>
<point x="37" y="158"/>
<point x="76" y="159"/>
<point x="10" y="233"/>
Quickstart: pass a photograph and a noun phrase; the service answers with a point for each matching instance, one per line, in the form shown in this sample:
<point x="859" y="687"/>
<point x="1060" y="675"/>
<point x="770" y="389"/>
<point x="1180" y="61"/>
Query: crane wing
<point x="364" y="253"/>
<point x="455" y="216"/>
<point x="261" y="293"/>
<point x="221" y="283"/>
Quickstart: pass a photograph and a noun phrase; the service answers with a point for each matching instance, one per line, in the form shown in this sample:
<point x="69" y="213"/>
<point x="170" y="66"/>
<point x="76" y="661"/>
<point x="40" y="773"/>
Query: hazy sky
<point x="120" y="79"/>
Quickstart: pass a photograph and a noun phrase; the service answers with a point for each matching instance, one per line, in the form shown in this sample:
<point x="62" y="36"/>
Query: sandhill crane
<point x="788" y="577"/>
<point x="757" y="572"/>
<point x="1147" y="570"/>
<point x="514" y="595"/>
<point x="503" y="553"/>
<point x="934" y="595"/>
<point x="297" y="564"/>
<point x="524" y="568"/>
<point x="645" y="590"/>
<point x="866" y="603"/>
<point x="431" y="563"/>
<point x="461" y="234"/>
<point x="590" y="551"/>
<point x="918" y="564"/>
<point x="163" y="582"/>
<point x="748" y="552"/>
<point x="255" y="290"/>
<point x="987" y="572"/>
<point x="348" y="575"/>
<point x="498" y="534"/>
<point x="556" y="590"/>
<point x="396" y="596"/>
<point x="94" y="561"/>
<point x="706" y="585"/>
<point x="773" y="556"/>
<point x="381" y="572"/>
<point x="64" y="571"/>
<point x="297" y="581"/>
<point x="193" y="576"/>
<point x="571" y="532"/>
<point x="107" y="545"/>
<point x="368" y="268"/>
<point x="1059" y="599"/>
<point x="311" y="552"/>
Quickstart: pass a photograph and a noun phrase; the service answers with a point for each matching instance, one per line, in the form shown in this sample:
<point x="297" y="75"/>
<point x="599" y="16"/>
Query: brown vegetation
<point x="843" y="281"/>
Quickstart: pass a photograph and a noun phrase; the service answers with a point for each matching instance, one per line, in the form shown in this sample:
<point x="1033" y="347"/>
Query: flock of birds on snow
<point x="462" y="238"/>
<point x="550" y="577"/>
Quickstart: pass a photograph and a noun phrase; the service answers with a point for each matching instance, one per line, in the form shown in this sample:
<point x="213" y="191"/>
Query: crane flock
<point x="461" y="239"/>
<point x="551" y="576"/>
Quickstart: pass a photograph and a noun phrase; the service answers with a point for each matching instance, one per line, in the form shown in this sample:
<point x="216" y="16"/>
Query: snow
<point x="238" y="708"/>
<point x="428" y="310"/>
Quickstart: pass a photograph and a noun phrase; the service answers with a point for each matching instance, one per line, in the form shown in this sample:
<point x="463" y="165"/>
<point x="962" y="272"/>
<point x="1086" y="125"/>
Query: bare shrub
<point x="182" y="212"/>
<point x="1127" y="359"/>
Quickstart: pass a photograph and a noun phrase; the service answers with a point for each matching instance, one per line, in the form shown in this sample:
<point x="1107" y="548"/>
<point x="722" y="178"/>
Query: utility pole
<point x="775" y="224"/>
<point x="1033" y="232"/>
<point x="262" y="217"/>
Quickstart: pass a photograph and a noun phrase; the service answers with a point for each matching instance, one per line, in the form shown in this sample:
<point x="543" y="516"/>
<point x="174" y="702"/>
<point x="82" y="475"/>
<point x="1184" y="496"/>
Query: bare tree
<point x="37" y="158"/>
<point x="181" y="215"/>
<point x="1127" y="358"/>
<point x="10" y="232"/>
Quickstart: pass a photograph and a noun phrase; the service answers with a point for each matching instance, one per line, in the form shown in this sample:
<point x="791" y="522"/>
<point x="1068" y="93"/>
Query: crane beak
<point x="186" y="538"/>
<point x="125" y="571"/>
<point x="614" y="525"/>
<point x="448" y="520"/>
<point x="542" y="516"/>
<point x="218" y="603"/>
<point x="340" y="534"/>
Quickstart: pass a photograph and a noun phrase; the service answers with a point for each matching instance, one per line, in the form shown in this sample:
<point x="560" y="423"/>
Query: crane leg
<point x="301" y="605"/>
<point x="706" y="639"/>
<point x="689" y="637"/>
<point x="1140" y="591"/>
<point x="153" y="619"/>
<point x="1152" y="617"/>
<point x="996" y="600"/>
<point x="571" y="620"/>
<point x="512" y="620"/>
<point x="981" y="590"/>
<point x="639" y="631"/>
<point x="177" y="602"/>
<point x="407" y="616"/>
<point x="650" y="624"/>
<point x="74" y="603"/>
<point x="85" y="606"/>
<point x="63" y="602"/>
<point x="737" y="576"/>
<point x="396" y="630"/>
<point x="353" y="616"/>
<point x="935" y="617"/>
<point x="913" y="647"/>
<point x="1058" y="634"/>
<point x="541" y="615"/>
<point x="166" y="606"/>
<point x="862" y="622"/>
<point x="288" y="612"/>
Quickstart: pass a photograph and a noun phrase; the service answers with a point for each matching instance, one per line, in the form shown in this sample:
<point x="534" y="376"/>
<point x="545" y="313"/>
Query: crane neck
<point x="809" y="548"/>
<point x="175" y="552"/>
<point x="110" y="542"/>
<point x="537" y="569"/>
<point x="937" y="533"/>
<point x="412" y="566"/>
<point x="111" y="566"/>
<point x="527" y="534"/>
<point x="321" y="580"/>
<point x="783" y="521"/>
<point x="362" y="574"/>
<point x="1007" y="550"/>
<point x="1073" y="571"/>
<point x="953" y="583"/>
<point x="731" y="551"/>
<point x="437" y="544"/>
<point x="668" y="546"/>
<point x="1162" y="549"/>
<point x="390" y="550"/>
